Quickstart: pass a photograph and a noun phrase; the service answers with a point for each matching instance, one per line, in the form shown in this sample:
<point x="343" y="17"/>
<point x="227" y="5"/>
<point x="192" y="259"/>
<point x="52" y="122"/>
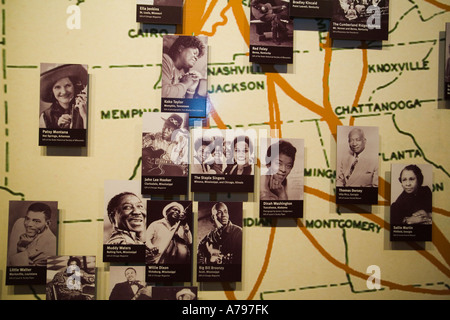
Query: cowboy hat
<point x="50" y="77"/>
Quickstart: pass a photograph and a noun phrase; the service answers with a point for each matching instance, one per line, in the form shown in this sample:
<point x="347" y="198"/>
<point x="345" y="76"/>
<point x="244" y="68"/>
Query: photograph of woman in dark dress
<point x="413" y="205"/>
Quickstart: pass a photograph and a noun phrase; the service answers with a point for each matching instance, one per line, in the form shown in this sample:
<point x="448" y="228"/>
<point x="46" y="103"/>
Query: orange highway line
<point x="230" y="294"/>
<point x="439" y="4"/>
<point x="265" y="265"/>
<point x="241" y="19"/>
<point x="217" y="24"/>
<point x="351" y="121"/>
<point x="274" y="108"/>
<point x="194" y="16"/>
<point x="213" y="113"/>
<point x="327" y="115"/>
<point x="327" y="47"/>
<point x="353" y="272"/>
<point x="439" y="239"/>
<point x="208" y="12"/>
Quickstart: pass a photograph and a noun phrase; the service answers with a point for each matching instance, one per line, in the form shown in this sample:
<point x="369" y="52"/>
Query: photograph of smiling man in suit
<point x="357" y="165"/>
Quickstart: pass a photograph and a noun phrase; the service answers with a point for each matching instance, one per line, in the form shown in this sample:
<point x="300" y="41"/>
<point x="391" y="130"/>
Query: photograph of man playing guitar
<point x="274" y="13"/>
<point x="165" y="153"/>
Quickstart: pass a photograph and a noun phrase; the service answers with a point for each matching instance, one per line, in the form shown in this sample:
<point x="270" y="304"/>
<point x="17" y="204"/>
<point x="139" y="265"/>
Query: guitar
<point x="261" y="9"/>
<point x="175" y="250"/>
<point x="216" y="256"/>
<point x="156" y="161"/>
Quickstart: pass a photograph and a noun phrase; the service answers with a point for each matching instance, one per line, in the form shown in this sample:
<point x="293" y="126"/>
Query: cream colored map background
<point x="288" y="260"/>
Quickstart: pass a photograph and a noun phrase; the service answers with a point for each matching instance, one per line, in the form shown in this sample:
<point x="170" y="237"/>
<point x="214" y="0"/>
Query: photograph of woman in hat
<point x="63" y="94"/>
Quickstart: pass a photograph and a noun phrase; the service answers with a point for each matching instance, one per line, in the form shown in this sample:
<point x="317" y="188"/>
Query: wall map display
<point x="310" y="140"/>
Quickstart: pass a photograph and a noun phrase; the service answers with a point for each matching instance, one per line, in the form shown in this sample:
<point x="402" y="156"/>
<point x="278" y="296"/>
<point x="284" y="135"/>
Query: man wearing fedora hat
<point x="165" y="152"/>
<point x="64" y="87"/>
<point x="169" y="239"/>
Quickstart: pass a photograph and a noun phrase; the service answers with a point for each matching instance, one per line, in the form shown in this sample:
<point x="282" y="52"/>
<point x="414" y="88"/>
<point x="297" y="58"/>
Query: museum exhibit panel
<point x="225" y="150"/>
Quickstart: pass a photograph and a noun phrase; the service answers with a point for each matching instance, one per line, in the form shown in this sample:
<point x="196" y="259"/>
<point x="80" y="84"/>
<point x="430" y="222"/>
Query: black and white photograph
<point x="168" y="241"/>
<point x="281" y="180"/>
<point x="159" y="11"/>
<point x="209" y="153"/>
<point x="357" y="165"/>
<point x="165" y="153"/>
<point x="223" y="160"/>
<point x="271" y="32"/>
<point x="128" y="283"/>
<point x="360" y="20"/>
<point x="32" y="238"/>
<point x="311" y="8"/>
<point x="63" y="114"/>
<point x="124" y="224"/>
<point x="447" y="64"/>
<point x="174" y="293"/>
<point x="71" y="278"/>
<point x="219" y="252"/>
<point x="411" y="202"/>
<point x="184" y="84"/>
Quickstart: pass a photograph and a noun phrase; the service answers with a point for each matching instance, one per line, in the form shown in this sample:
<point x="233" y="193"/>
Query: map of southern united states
<point x="391" y="84"/>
